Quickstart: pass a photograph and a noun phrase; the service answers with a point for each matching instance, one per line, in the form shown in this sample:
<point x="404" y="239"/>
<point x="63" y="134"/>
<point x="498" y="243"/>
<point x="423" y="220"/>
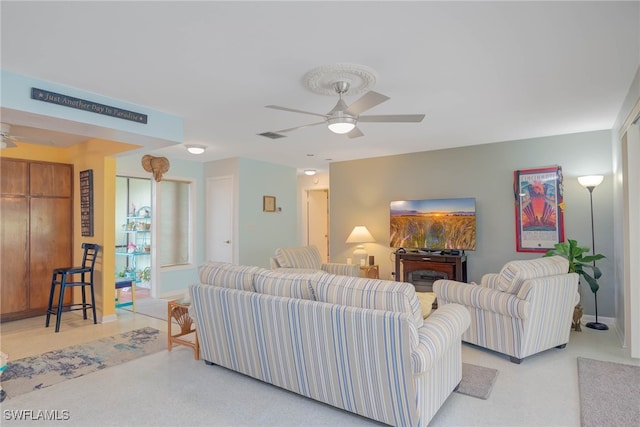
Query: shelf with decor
<point x="135" y="245"/>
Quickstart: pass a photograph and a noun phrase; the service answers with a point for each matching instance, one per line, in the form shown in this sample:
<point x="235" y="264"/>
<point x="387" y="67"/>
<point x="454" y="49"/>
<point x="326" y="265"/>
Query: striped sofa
<point x="358" y="344"/>
<point x="525" y="309"/>
<point x="307" y="259"/>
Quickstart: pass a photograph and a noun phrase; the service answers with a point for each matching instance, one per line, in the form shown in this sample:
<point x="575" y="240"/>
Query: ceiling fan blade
<point x="366" y="102"/>
<point x="291" y="110"/>
<point x="355" y="133"/>
<point x="416" y="118"/>
<point x="276" y="134"/>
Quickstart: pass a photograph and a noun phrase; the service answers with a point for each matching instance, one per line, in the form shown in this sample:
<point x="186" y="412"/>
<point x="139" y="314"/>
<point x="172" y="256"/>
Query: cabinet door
<point x="13" y="256"/>
<point x="51" y="179"/>
<point x="50" y="248"/>
<point x="13" y="177"/>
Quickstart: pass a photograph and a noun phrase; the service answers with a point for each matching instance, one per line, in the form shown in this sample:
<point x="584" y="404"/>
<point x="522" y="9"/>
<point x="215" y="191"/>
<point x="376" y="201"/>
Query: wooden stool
<point x="126" y="283"/>
<point x="180" y="312"/>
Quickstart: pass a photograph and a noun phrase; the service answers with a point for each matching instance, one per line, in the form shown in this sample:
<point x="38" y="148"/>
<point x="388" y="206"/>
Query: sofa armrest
<point x="450" y="291"/>
<point x="342" y="269"/>
<point x="442" y="329"/>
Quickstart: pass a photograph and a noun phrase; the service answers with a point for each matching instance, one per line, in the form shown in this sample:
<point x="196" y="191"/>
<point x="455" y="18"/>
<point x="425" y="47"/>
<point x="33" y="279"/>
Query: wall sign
<point x="81" y="104"/>
<point x="86" y="202"/>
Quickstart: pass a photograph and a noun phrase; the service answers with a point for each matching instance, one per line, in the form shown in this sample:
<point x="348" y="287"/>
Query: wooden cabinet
<point x="422" y="269"/>
<point x="36" y="207"/>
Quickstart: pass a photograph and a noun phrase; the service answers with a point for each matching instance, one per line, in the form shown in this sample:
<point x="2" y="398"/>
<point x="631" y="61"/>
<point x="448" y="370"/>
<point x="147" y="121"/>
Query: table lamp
<point x="360" y="235"/>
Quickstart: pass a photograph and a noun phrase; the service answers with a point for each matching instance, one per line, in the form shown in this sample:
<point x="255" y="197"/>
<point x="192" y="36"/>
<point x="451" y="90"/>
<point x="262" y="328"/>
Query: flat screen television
<point x="434" y="224"/>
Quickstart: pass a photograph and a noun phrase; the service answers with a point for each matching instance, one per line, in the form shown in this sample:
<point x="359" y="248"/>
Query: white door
<point x="219" y="219"/>
<point x="318" y="221"/>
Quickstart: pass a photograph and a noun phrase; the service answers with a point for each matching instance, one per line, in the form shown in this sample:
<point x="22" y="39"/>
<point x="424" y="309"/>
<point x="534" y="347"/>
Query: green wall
<point x="486" y="173"/>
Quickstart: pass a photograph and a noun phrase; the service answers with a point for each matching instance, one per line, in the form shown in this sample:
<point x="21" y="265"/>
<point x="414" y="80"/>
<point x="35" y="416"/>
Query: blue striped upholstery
<point x="307" y="259"/>
<point x="370" y="293"/>
<point x="342" y="269"/>
<point x="284" y="284"/>
<point x="357" y="359"/>
<point x="537" y="317"/>
<point x="229" y="275"/>
<point x="300" y="257"/>
<point x="514" y="273"/>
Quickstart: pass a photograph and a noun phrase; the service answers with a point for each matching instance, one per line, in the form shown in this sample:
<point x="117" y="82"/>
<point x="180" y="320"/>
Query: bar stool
<point x="64" y="278"/>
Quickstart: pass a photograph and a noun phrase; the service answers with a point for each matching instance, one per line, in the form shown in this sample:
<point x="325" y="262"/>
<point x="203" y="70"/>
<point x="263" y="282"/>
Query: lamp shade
<point x="341" y="125"/>
<point x="590" y="180"/>
<point x="360" y="234"/>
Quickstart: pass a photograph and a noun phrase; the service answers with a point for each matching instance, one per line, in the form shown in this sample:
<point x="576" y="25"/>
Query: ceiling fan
<point x="7" y="139"/>
<point x="342" y="119"/>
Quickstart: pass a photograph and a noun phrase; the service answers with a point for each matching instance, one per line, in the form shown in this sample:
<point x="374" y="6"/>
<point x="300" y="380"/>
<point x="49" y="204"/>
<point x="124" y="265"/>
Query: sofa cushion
<point x="368" y="293"/>
<point x="515" y="273"/>
<point x="228" y="275"/>
<point x="284" y="284"/>
<point x="299" y="257"/>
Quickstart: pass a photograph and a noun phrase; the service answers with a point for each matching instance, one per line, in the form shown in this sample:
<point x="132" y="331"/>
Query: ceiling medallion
<point x="322" y="80"/>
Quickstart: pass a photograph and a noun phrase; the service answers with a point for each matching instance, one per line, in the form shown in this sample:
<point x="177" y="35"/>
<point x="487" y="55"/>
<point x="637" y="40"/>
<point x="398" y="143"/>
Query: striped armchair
<point x="307" y="259"/>
<point x="525" y="309"/>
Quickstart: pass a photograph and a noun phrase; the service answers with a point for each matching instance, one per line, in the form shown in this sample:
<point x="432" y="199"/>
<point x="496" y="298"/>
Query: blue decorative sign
<point x="81" y="104"/>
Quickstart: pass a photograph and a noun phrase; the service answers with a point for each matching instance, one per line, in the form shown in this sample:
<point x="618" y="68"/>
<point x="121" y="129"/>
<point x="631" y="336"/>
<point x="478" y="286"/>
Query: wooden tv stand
<point x="454" y="266"/>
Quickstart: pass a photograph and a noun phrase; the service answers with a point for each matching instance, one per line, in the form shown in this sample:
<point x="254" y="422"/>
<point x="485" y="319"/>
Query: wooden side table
<point x="180" y="312"/>
<point x="370" y="271"/>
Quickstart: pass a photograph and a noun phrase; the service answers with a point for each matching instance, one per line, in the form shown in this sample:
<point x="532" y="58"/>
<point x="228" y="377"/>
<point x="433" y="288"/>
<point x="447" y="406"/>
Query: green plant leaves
<point x="580" y="261"/>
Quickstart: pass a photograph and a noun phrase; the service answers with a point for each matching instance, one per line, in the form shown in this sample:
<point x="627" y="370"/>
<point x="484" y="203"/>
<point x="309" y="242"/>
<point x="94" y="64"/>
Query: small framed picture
<point x="268" y="203"/>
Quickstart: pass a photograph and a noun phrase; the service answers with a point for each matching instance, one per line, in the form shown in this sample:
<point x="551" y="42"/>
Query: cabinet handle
<point x="227" y="241"/>
<point x="426" y="259"/>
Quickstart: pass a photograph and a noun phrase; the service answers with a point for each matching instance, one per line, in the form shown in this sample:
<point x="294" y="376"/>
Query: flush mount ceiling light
<point x="310" y="172"/>
<point x="196" y="149"/>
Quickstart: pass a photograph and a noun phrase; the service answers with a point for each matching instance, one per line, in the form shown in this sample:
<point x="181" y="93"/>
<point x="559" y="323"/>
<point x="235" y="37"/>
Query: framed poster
<point x="268" y="204"/>
<point x="539" y="208"/>
<point x="86" y="202"/>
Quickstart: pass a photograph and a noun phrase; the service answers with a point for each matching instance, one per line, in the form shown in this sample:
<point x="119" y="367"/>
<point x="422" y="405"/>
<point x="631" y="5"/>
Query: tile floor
<point x="543" y="390"/>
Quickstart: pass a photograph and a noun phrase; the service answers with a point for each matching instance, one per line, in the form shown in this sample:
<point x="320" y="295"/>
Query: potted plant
<point x="583" y="264"/>
<point x="579" y="262"/>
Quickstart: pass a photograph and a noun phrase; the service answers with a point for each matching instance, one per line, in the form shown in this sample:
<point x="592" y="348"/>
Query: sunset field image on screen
<point x="433" y="224"/>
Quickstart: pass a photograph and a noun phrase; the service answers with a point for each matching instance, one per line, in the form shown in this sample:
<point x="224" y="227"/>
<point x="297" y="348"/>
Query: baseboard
<point x="108" y="319"/>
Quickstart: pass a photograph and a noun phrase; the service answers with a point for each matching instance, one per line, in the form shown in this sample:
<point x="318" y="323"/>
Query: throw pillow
<point x="426" y="302"/>
<point x="302" y="257"/>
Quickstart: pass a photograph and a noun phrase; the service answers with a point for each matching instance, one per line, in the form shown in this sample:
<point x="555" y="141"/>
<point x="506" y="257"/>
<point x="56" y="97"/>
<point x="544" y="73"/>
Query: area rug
<point x="152" y="307"/>
<point x="477" y="381"/>
<point x="36" y="372"/>
<point x="609" y="393"/>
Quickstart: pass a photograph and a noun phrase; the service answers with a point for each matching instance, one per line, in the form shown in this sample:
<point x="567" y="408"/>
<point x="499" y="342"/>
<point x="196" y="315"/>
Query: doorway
<point x="318" y="221"/>
<point x="133" y="235"/>
<point x="219" y="219"/>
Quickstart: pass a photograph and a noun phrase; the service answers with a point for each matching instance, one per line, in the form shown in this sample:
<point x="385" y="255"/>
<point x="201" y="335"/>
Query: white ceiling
<point x="481" y="71"/>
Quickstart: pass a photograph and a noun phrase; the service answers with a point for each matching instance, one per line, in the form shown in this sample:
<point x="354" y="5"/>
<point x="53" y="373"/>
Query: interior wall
<point x="257" y="234"/>
<point x="173" y="281"/>
<point x="262" y="232"/>
<point x="486" y="173"/>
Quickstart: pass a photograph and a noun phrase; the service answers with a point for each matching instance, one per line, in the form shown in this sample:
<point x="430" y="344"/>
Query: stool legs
<point x="58" y="310"/>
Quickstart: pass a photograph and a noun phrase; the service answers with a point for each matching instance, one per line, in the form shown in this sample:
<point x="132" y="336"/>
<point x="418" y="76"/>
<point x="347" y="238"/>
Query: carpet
<point x="37" y="372"/>
<point x="477" y="381"/>
<point x="609" y="393"/>
<point x="152" y="307"/>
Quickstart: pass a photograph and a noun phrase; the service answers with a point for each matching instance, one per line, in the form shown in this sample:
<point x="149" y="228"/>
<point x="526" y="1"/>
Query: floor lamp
<point x="590" y="182"/>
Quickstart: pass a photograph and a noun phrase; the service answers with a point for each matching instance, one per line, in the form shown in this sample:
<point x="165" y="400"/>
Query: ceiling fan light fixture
<point x="341" y="125"/>
<point x="195" y="149"/>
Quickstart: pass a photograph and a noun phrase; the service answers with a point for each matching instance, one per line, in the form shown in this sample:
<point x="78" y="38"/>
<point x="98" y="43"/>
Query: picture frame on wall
<point x="268" y="203"/>
<point x="539" y="208"/>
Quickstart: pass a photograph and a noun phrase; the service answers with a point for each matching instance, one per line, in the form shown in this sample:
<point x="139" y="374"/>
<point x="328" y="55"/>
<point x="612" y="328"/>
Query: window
<point x="174" y="223"/>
